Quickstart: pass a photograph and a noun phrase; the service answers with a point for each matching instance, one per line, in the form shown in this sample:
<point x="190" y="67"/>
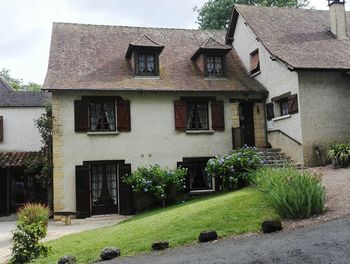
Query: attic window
<point x="254" y="62"/>
<point x="214" y="66"/>
<point x="146" y="64"/>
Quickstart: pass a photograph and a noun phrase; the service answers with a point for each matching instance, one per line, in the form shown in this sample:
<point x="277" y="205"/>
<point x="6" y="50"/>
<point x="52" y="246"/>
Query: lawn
<point x="229" y="214"/>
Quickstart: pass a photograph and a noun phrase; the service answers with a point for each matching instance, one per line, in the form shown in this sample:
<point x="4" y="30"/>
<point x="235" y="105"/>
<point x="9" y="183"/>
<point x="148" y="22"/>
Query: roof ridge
<point x="141" y="27"/>
<point x="281" y="7"/>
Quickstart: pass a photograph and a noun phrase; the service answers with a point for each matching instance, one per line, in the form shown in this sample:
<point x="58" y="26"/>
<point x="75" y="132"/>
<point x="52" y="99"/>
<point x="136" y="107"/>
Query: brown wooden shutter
<point x="81" y="115"/>
<point x="125" y="191"/>
<point x="180" y="115"/>
<point x="123" y="116"/>
<point x="293" y="104"/>
<point x="83" y="191"/>
<point x="270" y="111"/>
<point x="217" y="115"/>
<point x="1" y="129"/>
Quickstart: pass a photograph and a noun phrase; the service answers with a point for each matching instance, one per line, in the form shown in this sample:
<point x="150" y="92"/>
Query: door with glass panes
<point x="104" y="188"/>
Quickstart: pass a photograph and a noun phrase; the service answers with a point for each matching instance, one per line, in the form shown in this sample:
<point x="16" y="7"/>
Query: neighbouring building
<point x="302" y="57"/>
<point x="19" y="141"/>
<point x="125" y="97"/>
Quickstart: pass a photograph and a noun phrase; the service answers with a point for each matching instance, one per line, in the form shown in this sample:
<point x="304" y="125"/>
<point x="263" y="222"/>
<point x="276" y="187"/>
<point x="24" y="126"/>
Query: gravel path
<point x="56" y="229"/>
<point x="322" y="244"/>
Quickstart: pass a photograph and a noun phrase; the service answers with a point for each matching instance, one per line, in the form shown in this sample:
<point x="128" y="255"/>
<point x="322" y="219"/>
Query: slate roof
<point x="299" y="37"/>
<point x="92" y="57"/>
<point x="18" y="159"/>
<point x="11" y="98"/>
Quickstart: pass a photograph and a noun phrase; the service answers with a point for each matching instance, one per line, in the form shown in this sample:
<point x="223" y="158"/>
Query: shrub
<point x="232" y="170"/>
<point x="157" y="181"/>
<point x="339" y="154"/>
<point x="30" y="228"/>
<point x="293" y="193"/>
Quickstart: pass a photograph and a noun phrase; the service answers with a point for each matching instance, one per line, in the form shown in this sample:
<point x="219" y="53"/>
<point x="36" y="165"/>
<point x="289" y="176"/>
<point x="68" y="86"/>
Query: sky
<point x="25" y="25"/>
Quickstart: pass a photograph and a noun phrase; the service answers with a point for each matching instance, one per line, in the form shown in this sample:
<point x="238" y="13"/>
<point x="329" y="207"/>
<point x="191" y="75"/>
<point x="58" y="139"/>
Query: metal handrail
<point x="283" y="133"/>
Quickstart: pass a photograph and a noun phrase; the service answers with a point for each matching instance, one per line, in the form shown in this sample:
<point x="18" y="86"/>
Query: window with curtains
<point x="146" y="64"/>
<point x="197" y="116"/>
<point x="284" y="106"/>
<point x="104" y="184"/>
<point x="254" y="62"/>
<point x="214" y="66"/>
<point x="102" y="116"/>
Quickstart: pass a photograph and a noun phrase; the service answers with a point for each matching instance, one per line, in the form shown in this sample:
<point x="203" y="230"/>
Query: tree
<point x="18" y="84"/>
<point x="43" y="168"/>
<point x="215" y="14"/>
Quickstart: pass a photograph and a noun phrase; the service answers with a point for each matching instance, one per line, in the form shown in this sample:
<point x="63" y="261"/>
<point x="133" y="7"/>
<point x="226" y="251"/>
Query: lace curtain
<point x="112" y="181"/>
<point x="109" y="109"/>
<point x="97" y="174"/>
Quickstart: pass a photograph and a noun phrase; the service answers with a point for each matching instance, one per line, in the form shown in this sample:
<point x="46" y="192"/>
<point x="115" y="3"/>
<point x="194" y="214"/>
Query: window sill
<point x="103" y="133"/>
<point x="200" y="131"/>
<point x="147" y="77"/>
<point x="255" y="74"/>
<point x="281" y="117"/>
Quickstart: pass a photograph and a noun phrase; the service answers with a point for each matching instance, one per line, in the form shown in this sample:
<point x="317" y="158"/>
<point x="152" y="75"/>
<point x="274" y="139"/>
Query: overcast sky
<point x="25" y="26"/>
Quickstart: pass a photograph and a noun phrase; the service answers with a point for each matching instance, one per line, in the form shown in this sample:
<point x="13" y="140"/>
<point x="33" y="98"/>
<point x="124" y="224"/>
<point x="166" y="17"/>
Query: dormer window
<point x="210" y="58"/>
<point x="146" y="64"/>
<point x="214" y="66"/>
<point x="143" y="55"/>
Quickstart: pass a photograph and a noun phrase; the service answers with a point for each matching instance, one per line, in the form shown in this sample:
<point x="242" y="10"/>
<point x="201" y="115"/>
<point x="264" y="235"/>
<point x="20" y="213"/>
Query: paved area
<point x="325" y="243"/>
<point x="56" y="229"/>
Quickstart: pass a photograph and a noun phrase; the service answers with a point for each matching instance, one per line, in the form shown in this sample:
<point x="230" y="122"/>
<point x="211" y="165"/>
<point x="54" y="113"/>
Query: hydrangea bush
<point x="157" y="181"/>
<point x="232" y="170"/>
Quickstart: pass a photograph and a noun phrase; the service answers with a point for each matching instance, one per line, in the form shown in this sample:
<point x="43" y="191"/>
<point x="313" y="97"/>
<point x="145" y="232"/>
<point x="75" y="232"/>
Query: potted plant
<point x="339" y="154"/>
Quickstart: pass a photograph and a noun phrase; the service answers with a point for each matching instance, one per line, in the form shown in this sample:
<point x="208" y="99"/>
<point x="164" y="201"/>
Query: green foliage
<point x="45" y="165"/>
<point x="31" y="227"/>
<point x="33" y="213"/>
<point x="156" y="181"/>
<point x="293" y="193"/>
<point x="216" y="14"/>
<point x="339" y="153"/>
<point x="18" y="84"/>
<point x="232" y="170"/>
<point x="229" y="214"/>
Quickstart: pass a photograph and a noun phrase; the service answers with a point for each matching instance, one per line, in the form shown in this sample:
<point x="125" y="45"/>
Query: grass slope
<point x="229" y="214"/>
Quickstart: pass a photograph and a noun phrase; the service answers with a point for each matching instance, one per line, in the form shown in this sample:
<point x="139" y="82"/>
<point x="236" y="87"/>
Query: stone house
<point x="302" y="57"/>
<point x="125" y="97"/>
<point x="19" y="140"/>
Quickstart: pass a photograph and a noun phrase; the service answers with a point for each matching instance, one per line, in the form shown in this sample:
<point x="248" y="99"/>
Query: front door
<point x="4" y="193"/>
<point x="104" y="188"/>
<point x="247" y="123"/>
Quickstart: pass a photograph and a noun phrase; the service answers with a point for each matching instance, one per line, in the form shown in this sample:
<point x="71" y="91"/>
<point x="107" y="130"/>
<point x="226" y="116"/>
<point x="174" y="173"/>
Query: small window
<point x="254" y="62"/>
<point x="214" y="66"/>
<point x="102" y="116"/>
<point x="197" y="116"/>
<point x="146" y="64"/>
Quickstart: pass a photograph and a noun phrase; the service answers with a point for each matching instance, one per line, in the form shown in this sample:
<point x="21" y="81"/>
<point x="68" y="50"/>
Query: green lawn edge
<point x="229" y="214"/>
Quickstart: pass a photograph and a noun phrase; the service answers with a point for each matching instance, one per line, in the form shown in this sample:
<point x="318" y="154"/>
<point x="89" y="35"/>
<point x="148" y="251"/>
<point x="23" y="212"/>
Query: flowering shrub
<point x="232" y="170"/>
<point x="157" y="181"/>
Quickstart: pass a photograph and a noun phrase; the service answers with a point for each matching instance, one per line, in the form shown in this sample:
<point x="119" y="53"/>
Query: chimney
<point x="338" y="19"/>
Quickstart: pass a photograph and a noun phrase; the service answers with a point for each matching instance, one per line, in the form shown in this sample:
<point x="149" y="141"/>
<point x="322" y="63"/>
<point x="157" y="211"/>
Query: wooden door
<point x="4" y="193"/>
<point x="247" y="124"/>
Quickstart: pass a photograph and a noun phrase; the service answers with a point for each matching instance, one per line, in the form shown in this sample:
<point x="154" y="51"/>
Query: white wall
<point x="20" y="133"/>
<point x="152" y="140"/>
<point x="274" y="76"/>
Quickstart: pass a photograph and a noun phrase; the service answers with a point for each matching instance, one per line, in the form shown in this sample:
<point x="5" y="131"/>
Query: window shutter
<point x="270" y="111"/>
<point x="217" y="115"/>
<point x="123" y="116"/>
<point x="125" y="191"/>
<point x="1" y="129"/>
<point x="81" y="115"/>
<point x="180" y="115"/>
<point x="83" y="191"/>
<point x="293" y="104"/>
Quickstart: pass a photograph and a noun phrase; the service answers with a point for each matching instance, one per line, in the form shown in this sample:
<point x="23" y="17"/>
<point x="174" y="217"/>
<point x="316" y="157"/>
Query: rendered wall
<point x="277" y="79"/>
<point x="152" y="140"/>
<point x="20" y="133"/>
<point x="325" y="97"/>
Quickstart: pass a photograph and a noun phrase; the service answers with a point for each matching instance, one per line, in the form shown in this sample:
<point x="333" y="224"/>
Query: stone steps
<point x="277" y="158"/>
